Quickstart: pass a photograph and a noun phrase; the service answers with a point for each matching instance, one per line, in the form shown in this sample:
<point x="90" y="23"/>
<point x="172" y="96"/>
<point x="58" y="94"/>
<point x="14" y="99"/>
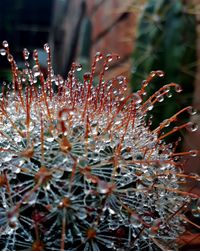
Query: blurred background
<point x="147" y="34"/>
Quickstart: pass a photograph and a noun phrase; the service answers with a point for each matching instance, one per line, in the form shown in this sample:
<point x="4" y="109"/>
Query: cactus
<point x="80" y="169"/>
<point x="166" y="40"/>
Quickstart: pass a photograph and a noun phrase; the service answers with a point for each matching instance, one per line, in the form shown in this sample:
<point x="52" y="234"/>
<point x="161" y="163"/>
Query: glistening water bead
<point x="81" y="169"/>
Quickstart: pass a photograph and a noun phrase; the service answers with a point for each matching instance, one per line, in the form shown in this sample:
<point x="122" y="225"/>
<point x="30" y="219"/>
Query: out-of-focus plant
<point x="166" y="40"/>
<point x="80" y="168"/>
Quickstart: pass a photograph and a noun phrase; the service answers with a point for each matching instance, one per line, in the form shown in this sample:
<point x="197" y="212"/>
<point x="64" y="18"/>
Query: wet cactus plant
<point x="80" y="167"/>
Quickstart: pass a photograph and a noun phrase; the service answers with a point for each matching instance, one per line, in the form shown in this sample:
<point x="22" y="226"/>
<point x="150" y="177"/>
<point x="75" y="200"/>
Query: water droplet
<point x="110" y="244"/>
<point x="117" y="57"/>
<point x="10" y="58"/>
<point x="103" y="187"/>
<point x="32" y="199"/>
<point x="150" y="107"/>
<point x="36" y="71"/>
<point x="135" y="221"/>
<point x="26" y="54"/>
<point x="191" y="110"/>
<point x="5" y="44"/>
<point x="196" y="212"/>
<point x="152" y="74"/>
<point x="58" y="173"/>
<point x="50" y="139"/>
<point x="136" y="98"/>
<point x="166" y="89"/>
<point x="98" y="56"/>
<point x="81" y="214"/>
<point x="24" y="79"/>
<point x="46" y="47"/>
<point x="178" y="88"/>
<point x="7" y="158"/>
<point x="166" y="122"/>
<point x="35" y="54"/>
<point x="192" y="127"/>
<point x="106" y="67"/>
<point x="160" y="74"/>
<point x="160" y="98"/>
<point x="79" y="67"/>
<point x="109" y="57"/>
<point x="120" y="79"/>
<point x="87" y="76"/>
<point x="13" y="222"/>
<point x="169" y="95"/>
<point x="111" y="211"/>
<point x="83" y="162"/>
<point x="2" y="52"/>
<point x="16" y="169"/>
<point x="193" y="153"/>
<point x="113" y="225"/>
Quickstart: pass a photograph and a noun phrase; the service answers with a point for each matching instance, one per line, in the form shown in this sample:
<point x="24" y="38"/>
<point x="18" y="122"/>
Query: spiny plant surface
<point x="166" y="33"/>
<point x="80" y="168"/>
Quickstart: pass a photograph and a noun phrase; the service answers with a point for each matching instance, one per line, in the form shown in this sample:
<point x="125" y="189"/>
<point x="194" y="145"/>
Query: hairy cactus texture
<point x="166" y="33"/>
<point x="80" y="168"/>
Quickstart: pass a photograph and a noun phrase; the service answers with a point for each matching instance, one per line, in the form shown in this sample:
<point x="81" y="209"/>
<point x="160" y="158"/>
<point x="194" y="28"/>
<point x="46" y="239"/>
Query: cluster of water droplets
<point x="79" y="167"/>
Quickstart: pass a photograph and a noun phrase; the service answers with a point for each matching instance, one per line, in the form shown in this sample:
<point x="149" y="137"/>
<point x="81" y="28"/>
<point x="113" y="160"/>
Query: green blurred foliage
<point x="166" y="40"/>
<point x="5" y="77"/>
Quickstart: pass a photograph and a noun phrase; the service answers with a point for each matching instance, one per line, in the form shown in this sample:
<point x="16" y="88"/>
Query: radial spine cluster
<point x="80" y="168"/>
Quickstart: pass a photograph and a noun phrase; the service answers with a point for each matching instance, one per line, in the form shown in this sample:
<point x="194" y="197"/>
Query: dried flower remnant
<point x="81" y="169"/>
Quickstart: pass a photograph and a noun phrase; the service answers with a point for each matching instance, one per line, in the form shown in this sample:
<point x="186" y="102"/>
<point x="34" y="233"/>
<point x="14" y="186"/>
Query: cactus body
<point x="80" y="168"/>
<point x="166" y="39"/>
